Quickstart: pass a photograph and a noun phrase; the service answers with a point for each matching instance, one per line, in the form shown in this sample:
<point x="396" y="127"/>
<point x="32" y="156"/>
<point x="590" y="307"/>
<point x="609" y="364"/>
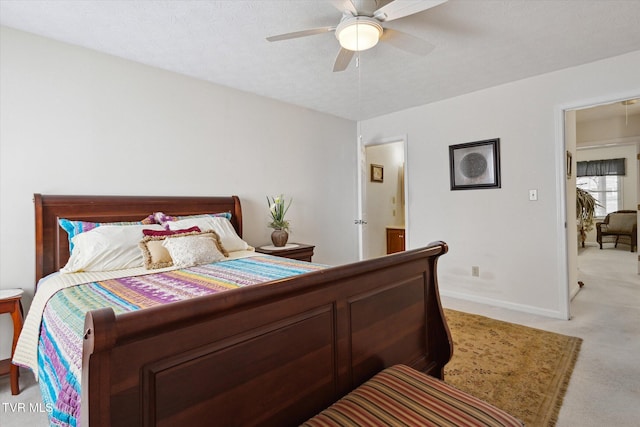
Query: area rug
<point x="521" y="370"/>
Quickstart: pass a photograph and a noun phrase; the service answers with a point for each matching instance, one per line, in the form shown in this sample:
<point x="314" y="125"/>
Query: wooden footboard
<point x="270" y="354"/>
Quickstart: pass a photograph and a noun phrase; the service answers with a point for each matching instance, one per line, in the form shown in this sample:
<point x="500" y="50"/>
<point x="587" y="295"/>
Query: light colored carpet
<point x="26" y="409"/>
<point x="604" y="388"/>
<point x="521" y="370"/>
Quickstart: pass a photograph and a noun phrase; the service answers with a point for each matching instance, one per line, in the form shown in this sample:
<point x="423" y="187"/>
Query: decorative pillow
<point x="107" y="247"/>
<point x="154" y="254"/>
<point x="162" y="218"/>
<point x="230" y="240"/>
<point x="76" y="227"/>
<point x="205" y="228"/>
<point x="188" y="250"/>
<point x="164" y="232"/>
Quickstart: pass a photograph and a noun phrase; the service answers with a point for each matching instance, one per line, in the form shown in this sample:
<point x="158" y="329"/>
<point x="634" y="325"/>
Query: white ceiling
<point x="479" y="44"/>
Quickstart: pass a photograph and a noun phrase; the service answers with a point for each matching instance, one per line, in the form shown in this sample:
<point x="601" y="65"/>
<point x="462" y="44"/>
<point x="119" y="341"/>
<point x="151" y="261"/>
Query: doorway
<point x="608" y="130"/>
<point x="382" y="196"/>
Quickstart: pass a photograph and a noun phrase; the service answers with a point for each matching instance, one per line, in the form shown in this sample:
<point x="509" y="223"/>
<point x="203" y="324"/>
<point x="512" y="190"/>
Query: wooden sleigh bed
<point x="268" y="354"/>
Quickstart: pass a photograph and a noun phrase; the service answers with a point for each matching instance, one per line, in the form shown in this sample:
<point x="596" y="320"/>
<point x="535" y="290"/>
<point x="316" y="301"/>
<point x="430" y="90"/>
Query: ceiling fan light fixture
<point x="359" y="33"/>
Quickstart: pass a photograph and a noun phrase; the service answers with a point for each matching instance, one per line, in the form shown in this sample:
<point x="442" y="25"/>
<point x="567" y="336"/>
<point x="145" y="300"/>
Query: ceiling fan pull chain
<point x="626" y="114"/>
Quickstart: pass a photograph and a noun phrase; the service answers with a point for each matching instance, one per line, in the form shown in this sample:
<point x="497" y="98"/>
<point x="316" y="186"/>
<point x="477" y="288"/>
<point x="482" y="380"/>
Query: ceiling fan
<point x="361" y="27"/>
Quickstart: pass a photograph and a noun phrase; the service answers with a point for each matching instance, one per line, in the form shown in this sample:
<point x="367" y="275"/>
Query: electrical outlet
<point x="475" y="271"/>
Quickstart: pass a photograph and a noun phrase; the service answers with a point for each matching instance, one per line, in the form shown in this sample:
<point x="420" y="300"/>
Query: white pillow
<point x="190" y="250"/>
<point x="228" y="236"/>
<point x="108" y="247"/>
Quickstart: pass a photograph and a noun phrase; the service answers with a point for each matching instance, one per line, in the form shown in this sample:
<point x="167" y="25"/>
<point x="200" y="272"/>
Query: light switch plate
<point x="533" y="195"/>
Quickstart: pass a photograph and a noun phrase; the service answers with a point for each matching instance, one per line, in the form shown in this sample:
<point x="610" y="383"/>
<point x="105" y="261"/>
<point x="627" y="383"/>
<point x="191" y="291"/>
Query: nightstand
<point x="10" y="303"/>
<point x="299" y="251"/>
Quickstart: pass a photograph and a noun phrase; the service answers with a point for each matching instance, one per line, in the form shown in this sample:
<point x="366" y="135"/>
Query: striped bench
<point x="402" y="396"/>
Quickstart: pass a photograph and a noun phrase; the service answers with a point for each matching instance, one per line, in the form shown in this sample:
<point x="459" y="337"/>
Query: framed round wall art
<point x="475" y="165"/>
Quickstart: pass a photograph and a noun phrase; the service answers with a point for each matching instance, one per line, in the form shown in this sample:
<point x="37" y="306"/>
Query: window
<point x="606" y="189"/>
<point x="603" y="180"/>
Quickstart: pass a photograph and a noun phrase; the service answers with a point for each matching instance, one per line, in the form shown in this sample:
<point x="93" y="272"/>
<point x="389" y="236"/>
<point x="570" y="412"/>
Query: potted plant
<point x="585" y="212"/>
<point x="278" y="209"/>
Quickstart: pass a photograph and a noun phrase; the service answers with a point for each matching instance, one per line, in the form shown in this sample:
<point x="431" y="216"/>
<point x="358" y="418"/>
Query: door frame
<point x="362" y="182"/>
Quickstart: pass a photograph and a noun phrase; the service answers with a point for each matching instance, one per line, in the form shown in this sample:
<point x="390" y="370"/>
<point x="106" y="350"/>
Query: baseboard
<point x="502" y="304"/>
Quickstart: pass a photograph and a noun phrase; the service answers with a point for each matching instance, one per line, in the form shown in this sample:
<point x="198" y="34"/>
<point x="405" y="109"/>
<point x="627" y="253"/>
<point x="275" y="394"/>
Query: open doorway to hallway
<point x="603" y="136"/>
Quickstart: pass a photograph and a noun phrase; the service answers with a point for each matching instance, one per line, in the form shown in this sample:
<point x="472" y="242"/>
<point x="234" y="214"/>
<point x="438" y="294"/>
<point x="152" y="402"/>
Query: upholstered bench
<point x="402" y="396"/>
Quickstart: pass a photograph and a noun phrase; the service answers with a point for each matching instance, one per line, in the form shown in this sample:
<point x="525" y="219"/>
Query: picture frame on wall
<point x="475" y="165"/>
<point x="377" y="173"/>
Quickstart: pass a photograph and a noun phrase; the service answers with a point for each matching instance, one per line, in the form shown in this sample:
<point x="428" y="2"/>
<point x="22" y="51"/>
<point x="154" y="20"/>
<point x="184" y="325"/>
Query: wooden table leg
<point x="12" y="305"/>
<point x="14" y="371"/>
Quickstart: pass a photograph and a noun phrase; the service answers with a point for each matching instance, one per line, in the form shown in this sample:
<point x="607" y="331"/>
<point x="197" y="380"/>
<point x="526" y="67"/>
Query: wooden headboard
<point x="52" y="245"/>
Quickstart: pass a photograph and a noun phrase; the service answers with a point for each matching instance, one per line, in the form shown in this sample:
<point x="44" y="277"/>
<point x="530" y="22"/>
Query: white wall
<point x="74" y="121"/>
<point x="518" y="244"/>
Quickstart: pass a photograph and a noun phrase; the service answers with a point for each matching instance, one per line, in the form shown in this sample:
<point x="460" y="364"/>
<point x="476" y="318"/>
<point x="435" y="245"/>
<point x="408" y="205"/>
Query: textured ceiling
<point x="479" y="44"/>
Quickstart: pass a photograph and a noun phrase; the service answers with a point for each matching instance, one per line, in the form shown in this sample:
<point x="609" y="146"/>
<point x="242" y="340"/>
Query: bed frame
<point x="269" y="354"/>
<point x="52" y="242"/>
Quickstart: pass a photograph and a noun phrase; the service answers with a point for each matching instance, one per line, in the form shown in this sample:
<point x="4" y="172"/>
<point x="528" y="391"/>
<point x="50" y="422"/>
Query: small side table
<point x="299" y="251"/>
<point x="10" y="302"/>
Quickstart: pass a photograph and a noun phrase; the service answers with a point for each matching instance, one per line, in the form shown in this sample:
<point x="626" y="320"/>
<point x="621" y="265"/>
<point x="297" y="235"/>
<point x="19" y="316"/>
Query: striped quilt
<point x="61" y="331"/>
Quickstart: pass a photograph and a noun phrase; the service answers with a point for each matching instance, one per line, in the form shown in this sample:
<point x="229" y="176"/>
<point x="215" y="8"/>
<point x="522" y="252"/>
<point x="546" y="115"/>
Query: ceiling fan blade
<point x="401" y="8"/>
<point x="407" y="42"/>
<point x="303" y="33"/>
<point x="344" y="5"/>
<point x="343" y="59"/>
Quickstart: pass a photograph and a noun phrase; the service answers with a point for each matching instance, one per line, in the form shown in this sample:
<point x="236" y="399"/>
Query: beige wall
<point x="608" y="130"/>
